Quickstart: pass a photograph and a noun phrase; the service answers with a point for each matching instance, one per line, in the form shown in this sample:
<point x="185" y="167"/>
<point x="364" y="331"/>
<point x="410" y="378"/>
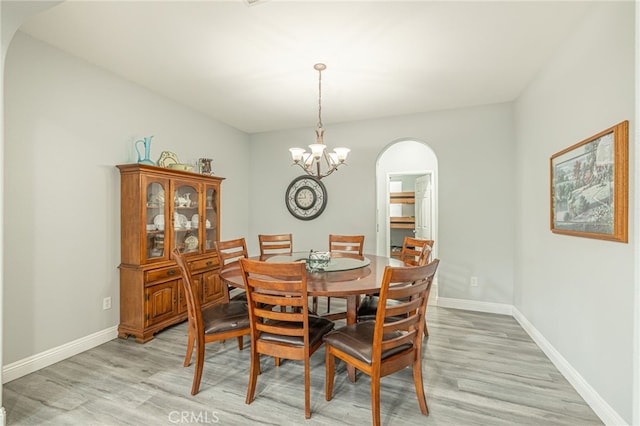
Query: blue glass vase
<point x="146" y="142"/>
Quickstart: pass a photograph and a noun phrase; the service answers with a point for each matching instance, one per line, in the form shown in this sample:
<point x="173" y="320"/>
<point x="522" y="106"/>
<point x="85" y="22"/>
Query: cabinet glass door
<point x="211" y="217"/>
<point x="154" y="220"/>
<point x="185" y="218"/>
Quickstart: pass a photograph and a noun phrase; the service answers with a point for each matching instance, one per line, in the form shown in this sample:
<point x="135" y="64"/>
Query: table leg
<point x="352" y="309"/>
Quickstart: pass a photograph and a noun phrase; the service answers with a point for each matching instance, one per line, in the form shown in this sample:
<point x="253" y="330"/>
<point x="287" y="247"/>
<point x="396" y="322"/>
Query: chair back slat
<point x="275" y="244"/>
<point x="278" y="315"/>
<point x="280" y="330"/>
<point x="403" y="339"/>
<point x="400" y="309"/>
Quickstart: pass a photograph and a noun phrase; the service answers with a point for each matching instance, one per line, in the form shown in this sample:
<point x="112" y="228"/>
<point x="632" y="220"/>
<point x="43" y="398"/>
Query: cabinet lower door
<point x="161" y="302"/>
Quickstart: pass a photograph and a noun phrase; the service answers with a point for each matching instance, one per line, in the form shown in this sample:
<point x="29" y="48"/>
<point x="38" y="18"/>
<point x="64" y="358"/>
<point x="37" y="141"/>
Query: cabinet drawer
<point x="203" y="264"/>
<point x="162" y="274"/>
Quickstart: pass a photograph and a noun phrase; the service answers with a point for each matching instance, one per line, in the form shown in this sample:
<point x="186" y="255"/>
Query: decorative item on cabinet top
<point x="204" y="166"/>
<point x="146" y="143"/>
<point x="169" y="160"/>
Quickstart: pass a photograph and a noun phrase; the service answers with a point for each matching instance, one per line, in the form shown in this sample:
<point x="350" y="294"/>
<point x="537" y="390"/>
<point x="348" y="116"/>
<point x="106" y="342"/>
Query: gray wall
<point x="476" y="192"/>
<point x="68" y="123"/>
<point x="579" y="292"/>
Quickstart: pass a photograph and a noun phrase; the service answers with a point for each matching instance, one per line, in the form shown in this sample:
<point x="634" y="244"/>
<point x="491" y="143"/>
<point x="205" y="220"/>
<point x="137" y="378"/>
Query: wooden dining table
<point x="346" y="283"/>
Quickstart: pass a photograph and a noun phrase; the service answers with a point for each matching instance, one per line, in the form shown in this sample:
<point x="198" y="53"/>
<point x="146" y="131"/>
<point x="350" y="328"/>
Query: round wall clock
<point x="306" y="197"/>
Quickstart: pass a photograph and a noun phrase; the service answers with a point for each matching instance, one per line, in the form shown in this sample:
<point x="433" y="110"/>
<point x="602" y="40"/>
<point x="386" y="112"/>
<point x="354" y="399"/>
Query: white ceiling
<point x="251" y="66"/>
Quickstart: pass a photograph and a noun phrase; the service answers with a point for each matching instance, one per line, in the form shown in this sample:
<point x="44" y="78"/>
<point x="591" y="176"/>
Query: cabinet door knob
<point x="209" y="263"/>
<point x="171" y="272"/>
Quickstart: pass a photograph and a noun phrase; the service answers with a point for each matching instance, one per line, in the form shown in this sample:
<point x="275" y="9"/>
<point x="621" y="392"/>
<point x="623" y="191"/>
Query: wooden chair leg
<point x="375" y="400"/>
<point x="307" y="390"/>
<point x="197" y="371"/>
<point x="254" y="370"/>
<point x="417" y="380"/>
<point x="240" y="343"/>
<point x="329" y="366"/>
<point x="314" y="304"/>
<point x="426" y="330"/>
<point x="190" y="341"/>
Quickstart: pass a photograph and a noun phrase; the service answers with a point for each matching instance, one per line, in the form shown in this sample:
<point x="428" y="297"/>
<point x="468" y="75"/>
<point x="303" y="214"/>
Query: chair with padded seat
<point x="341" y="245"/>
<point x="229" y="252"/>
<point x="381" y="347"/>
<point x="215" y="323"/>
<point x="414" y="252"/>
<point x="289" y="333"/>
<point x="275" y="244"/>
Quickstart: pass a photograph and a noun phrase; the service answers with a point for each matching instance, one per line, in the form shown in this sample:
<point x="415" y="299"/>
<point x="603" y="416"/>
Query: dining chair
<point x="229" y="252"/>
<point x="219" y="322"/>
<point x="341" y="245"/>
<point x="349" y="244"/>
<point x="413" y="249"/>
<point x="415" y="252"/>
<point x="284" y="333"/>
<point x="275" y="244"/>
<point x="380" y="347"/>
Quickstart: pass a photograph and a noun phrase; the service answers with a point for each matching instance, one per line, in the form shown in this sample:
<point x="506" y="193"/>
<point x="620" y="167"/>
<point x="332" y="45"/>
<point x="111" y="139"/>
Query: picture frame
<point x="590" y="186"/>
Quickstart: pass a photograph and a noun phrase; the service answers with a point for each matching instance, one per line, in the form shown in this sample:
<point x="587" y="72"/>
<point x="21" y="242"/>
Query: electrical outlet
<point x="474" y="281"/>
<point x="106" y="303"/>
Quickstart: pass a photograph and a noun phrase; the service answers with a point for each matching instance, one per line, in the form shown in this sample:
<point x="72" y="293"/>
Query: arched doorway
<point x="406" y="195"/>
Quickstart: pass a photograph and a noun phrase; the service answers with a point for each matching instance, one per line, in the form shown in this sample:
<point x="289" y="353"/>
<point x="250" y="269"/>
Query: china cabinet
<point x="163" y="209"/>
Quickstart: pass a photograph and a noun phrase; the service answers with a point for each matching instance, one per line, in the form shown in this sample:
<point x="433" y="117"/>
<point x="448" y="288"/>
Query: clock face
<point x="306" y="197"/>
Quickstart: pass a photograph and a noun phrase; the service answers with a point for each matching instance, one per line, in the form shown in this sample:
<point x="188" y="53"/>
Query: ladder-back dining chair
<point x="415" y="252"/>
<point x="229" y="252"/>
<point x="275" y="244"/>
<point x="219" y="322"/>
<point x="289" y="332"/>
<point x="381" y="347"/>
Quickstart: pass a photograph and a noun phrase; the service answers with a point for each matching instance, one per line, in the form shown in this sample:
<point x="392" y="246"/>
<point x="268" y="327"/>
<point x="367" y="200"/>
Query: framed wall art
<point x="590" y="186"/>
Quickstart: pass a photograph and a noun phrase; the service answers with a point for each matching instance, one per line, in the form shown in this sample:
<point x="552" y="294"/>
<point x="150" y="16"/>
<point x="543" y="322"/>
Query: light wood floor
<point x="480" y="369"/>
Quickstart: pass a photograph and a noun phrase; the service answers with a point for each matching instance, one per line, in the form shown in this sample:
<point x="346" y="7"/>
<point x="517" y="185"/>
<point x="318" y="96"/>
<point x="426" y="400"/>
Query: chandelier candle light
<point x="313" y="162"/>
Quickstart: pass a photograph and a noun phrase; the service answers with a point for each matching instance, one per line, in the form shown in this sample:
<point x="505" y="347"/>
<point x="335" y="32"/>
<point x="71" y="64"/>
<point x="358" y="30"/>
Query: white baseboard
<point x="475" y="305"/>
<point x="607" y="414"/>
<point x="44" y="359"/>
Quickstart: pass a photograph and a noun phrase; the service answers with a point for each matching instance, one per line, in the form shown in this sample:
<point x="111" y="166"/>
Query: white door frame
<point x="385" y="219"/>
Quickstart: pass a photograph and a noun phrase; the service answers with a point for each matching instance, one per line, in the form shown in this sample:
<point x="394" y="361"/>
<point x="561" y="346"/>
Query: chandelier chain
<point x="320" y="98"/>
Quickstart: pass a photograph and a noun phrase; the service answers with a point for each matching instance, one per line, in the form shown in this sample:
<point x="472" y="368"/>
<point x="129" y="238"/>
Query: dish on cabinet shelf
<point x="167" y="158"/>
<point x="191" y="242"/>
<point x="158" y="220"/>
<point x="179" y="220"/>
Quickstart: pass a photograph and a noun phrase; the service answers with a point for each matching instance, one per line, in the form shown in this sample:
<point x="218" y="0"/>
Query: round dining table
<point x="349" y="278"/>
